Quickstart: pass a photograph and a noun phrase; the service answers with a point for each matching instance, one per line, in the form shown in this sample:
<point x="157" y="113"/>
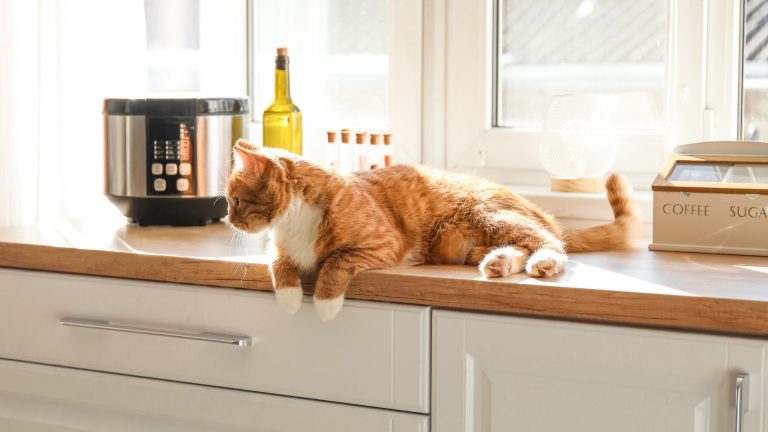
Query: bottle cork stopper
<point x="331" y="136"/>
<point x="360" y="137"/>
<point x="375" y="138"/>
<point x="345" y="136"/>
<point x="387" y="138"/>
<point x="282" y="52"/>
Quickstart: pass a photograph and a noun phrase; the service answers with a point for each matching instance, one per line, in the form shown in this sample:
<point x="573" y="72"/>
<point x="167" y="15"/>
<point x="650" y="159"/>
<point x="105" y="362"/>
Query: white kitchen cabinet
<point x="372" y="354"/>
<point x="45" y="398"/>
<point x="499" y="373"/>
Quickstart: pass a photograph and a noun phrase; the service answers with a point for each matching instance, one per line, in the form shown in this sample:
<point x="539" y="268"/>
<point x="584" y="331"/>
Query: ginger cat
<point x="336" y="226"/>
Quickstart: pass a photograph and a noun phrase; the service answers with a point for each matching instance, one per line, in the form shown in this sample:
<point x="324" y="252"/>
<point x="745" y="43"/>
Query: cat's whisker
<point x="221" y="183"/>
<point x="244" y="239"/>
<point x="245" y="273"/>
<point x="233" y="247"/>
<point x="238" y="234"/>
<point x="244" y="254"/>
<point x="236" y="240"/>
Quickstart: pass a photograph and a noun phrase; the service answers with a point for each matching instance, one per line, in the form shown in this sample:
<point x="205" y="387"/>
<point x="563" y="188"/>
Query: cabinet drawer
<point x="508" y="373"/>
<point x="374" y="354"/>
<point x="50" y="398"/>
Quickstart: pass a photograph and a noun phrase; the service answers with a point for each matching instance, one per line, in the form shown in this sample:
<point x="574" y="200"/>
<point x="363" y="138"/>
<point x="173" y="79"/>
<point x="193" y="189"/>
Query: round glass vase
<point x="577" y="145"/>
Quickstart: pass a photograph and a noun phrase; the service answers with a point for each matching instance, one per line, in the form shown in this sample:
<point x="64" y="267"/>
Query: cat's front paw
<point x="502" y="262"/>
<point x="327" y="309"/>
<point x="545" y="263"/>
<point x="289" y="298"/>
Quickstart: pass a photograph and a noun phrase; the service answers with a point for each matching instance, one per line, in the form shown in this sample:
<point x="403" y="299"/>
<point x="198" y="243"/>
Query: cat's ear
<point x="247" y="145"/>
<point x="249" y="159"/>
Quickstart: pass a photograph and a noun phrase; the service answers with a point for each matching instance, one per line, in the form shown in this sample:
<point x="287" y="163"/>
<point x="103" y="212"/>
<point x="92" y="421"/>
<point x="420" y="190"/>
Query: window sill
<point x="577" y="210"/>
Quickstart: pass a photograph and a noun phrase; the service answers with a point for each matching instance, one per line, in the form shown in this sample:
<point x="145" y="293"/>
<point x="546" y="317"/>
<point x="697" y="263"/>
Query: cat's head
<point x="258" y="190"/>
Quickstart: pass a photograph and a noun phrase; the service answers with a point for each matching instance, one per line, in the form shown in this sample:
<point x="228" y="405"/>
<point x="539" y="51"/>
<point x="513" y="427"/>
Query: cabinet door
<point x="495" y="373"/>
<point x="373" y="353"/>
<point x="43" y="398"/>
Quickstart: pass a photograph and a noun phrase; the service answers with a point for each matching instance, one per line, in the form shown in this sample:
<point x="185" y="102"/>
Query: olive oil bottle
<point x="282" y="120"/>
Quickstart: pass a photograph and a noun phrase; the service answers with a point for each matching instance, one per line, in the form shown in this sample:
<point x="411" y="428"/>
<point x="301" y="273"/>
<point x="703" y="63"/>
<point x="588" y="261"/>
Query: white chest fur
<point x="295" y="231"/>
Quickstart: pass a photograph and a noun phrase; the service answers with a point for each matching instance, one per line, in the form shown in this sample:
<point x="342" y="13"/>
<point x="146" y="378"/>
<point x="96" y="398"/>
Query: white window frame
<point x="701" y="93"/>
<point x="404" y="83"/>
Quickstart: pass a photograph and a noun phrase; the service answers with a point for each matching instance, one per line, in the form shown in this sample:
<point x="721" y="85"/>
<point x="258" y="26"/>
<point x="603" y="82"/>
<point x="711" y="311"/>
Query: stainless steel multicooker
<point x="167" y="160"/>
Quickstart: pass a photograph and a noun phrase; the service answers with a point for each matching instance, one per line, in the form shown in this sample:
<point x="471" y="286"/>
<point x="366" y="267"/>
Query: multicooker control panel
<point x="171" y="144"/>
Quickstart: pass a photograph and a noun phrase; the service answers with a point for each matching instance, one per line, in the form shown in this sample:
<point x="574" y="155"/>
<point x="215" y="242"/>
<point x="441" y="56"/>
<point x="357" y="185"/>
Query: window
<point x="339" y="59"/>
<point x="669" y="68"/>
<point x="353" y="64"/>
<point x="195" y="45"/>
<point x="563" y="47"/>
<point x="755" y="82"/>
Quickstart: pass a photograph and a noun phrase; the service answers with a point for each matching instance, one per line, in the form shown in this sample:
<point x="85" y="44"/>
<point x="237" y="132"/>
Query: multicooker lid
<point x="183" y="106"/>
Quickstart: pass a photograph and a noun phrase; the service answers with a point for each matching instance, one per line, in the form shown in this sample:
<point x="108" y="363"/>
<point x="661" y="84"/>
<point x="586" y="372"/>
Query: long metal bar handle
<point x="206" y="337"/>
<point x="742" y="399"/>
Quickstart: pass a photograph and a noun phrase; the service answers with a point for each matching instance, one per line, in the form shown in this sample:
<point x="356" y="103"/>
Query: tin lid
<point x="724" y="148"/>
<point x="181" y="106"/>
<point x="722" y="167"/>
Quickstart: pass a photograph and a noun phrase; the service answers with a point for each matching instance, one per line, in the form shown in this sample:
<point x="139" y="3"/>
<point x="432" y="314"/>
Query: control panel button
<point x="182" y="185"/>
<point x="159" y="185"/>
<point x="157" y="168"/>
<point x="171" y="169"/>
<point x="185" y="168"/>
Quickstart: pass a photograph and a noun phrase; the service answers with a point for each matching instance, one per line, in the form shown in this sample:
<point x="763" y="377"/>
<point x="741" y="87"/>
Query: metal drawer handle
<point x="208" y="337"/>
<point x="742" y="399"/>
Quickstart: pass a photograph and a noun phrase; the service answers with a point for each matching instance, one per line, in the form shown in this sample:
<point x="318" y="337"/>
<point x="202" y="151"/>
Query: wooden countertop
<point x="712" y="293"/>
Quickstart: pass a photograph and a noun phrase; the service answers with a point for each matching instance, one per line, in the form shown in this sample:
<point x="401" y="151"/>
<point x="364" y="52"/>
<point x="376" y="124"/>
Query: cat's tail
<point x="619" y="234"/>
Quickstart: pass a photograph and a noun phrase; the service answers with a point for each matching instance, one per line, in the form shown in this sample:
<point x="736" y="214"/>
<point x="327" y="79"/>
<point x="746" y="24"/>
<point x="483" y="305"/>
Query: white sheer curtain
<point x="60" y="58"/>
<point x="18" y="110"/>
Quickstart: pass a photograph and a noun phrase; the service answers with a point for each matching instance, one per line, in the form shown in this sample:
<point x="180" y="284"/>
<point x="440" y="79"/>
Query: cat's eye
<point x="236" y="202"/>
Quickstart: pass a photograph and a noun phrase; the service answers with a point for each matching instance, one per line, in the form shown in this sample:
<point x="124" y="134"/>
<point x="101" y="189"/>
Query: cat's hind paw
<point x="289" y="298"/>
<point x="545" y="263"/>
<point x="327" y="309"/>
<point x="503" y="261"/>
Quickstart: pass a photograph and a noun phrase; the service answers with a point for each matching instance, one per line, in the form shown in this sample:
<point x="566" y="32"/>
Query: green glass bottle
<point x="282" y="120"/>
